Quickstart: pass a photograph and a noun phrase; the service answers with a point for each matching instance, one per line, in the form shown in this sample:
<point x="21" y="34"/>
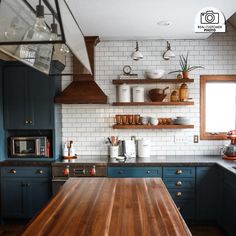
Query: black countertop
<point x="104" y="160"/>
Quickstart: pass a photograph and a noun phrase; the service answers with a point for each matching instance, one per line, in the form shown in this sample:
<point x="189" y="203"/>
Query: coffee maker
<point x="230" y="150"/>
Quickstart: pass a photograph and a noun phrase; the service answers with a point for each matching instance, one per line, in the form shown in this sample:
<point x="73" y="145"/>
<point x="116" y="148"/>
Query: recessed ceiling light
<point x="164" y="23"/>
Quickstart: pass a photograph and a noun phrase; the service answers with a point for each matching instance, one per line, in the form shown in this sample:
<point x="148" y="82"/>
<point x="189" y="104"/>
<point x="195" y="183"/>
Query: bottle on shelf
<point x="65" y="151"/>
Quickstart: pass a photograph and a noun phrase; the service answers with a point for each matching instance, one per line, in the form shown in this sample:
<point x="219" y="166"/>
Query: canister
<point x="138" y="94"/>
<point x="124" y="93"/>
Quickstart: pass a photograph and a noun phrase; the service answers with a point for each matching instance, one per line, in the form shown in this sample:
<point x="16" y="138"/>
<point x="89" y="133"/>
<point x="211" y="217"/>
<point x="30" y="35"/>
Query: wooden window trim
<point x="203" y="80"/>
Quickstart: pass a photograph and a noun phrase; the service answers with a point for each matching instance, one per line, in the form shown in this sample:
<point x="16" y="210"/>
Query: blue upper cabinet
<point x="28" y="98"/>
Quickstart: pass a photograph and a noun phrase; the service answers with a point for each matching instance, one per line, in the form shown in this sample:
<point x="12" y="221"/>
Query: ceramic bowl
<point x="154" y="74"/>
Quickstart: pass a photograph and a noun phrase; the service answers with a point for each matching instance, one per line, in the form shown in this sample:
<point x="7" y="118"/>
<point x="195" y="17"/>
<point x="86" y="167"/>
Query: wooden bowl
<point x="156" y="96"/>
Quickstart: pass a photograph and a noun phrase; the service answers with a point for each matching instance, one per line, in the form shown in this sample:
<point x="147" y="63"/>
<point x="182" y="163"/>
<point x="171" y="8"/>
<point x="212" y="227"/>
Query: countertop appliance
<point x="64" y="170"/>
<point x="230" y="150"/>
<point x="129" y="148"/>
<point x="144" y="148"/>
<point x="29" y="146"/>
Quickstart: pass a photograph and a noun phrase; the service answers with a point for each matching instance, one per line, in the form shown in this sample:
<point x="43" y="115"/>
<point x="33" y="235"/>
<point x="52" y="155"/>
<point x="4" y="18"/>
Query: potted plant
<point x="185" y="67"/>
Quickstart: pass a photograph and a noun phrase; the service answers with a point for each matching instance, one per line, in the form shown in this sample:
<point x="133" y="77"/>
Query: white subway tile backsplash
<point x="89" y="125"/>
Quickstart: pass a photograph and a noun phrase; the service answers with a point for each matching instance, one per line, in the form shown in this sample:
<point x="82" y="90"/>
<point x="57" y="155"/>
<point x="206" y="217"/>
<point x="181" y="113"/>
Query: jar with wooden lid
<point x="183" y="92"/>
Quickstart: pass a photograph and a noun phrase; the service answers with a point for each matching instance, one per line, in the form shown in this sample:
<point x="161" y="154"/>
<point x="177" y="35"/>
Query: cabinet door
<point x="41" y="97"/>
<point x="207" y="193"/>
<point x="15" y="104"/>
<point x="228" y="213"/>
<point x="12" y="194"/>
<point x="38" y="194"/>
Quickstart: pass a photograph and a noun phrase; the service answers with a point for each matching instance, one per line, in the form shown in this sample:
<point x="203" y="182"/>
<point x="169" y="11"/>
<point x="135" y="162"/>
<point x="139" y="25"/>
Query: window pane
<point x="220" y="107"/>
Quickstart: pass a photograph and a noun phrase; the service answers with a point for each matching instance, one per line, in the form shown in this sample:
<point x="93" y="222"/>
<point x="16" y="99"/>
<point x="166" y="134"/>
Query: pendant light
<point x="39" y="31"/>
<point x="168" y="54"/>
<point x="137" y="55"/>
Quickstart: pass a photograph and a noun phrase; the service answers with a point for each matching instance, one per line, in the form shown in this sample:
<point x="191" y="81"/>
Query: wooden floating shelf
<point x="151" y="81"/>
<point x="152" y="103"/>
<point x="153" y="126"/>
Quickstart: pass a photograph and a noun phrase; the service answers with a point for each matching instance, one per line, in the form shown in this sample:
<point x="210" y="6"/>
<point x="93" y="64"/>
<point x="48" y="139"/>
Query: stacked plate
<point x="181" y="120"/>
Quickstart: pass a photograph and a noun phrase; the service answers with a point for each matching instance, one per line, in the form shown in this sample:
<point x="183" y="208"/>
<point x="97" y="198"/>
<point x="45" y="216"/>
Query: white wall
<point x="89" y="125"/>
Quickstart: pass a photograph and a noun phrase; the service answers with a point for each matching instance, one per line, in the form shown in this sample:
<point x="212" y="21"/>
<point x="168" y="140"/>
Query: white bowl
<point x="154" y="74"/>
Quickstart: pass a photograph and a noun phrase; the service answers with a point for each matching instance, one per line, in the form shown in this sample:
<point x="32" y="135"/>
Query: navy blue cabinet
<point x="207" y="194"/>
<point x="134" y="172"/>
<point x="180" y="182"/>
<point x="24" y="191"/>
<point x="28" y="98"/>
<point x="228" y="203"/>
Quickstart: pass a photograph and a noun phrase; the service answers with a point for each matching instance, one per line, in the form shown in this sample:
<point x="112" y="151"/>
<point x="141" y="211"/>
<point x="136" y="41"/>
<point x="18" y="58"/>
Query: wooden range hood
<point x="83" y="89"/>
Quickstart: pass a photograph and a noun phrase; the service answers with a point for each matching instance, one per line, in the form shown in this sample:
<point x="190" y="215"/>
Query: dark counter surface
<point x="104" y="160"/>
<point x="86" y="160"/>
<point x="178" y="160"/>
<point x="25" y="163"/>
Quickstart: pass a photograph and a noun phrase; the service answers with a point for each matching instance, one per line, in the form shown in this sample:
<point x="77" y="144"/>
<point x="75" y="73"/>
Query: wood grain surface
<point x="107" y="206"/>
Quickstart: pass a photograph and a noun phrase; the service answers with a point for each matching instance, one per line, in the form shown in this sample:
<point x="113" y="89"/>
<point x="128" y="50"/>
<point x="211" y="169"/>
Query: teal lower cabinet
<point x="180" y="182"/>
<point x="228" y="203"/>
<point x="207" y="193"/>
<point x="134" y="172"/>
<point x="24" y="191"/>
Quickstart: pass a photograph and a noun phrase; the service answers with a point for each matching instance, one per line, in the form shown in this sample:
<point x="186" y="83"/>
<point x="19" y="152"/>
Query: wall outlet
<point x="195" y="139"/>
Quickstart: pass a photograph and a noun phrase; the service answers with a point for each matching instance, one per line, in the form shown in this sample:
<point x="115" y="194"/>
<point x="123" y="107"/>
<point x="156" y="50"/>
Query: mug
<point x="144" y="120"/>
<point x="136" y="120"/>
<point x="124" y="120"/>
<point x="118" y="119"/>
<point x="153" y="120"/>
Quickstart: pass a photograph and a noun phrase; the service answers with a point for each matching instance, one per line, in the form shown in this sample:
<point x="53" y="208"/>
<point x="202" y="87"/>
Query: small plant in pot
<point x="185" y="67"/>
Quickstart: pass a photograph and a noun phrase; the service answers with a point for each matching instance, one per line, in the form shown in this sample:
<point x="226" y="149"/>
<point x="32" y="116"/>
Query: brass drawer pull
<point x="178" y="194"/>
<point x="178" y="172"/>
<point x="12" y="171"/>
<point x="40" y="171"/>
<point x="178" y="183"/>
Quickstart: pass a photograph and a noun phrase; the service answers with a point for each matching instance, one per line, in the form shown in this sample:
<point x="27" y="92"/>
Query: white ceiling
<point x="137" y="19"/>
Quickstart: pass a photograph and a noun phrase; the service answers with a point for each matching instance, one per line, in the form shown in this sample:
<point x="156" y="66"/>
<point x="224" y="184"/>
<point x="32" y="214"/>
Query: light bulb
<point x="64" y="49"/>
<point x="39" y="31"/>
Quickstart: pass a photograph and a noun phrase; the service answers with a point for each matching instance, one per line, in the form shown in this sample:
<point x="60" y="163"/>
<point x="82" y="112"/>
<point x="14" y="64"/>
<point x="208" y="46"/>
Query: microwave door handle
<point x="37" y="147"/>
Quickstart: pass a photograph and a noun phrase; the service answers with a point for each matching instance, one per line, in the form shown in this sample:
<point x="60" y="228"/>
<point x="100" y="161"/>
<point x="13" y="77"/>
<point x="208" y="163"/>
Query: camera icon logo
<point x="209" y="17"/>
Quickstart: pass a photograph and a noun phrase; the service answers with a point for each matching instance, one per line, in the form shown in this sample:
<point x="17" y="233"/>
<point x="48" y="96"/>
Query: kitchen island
<point x="106" y="206"/>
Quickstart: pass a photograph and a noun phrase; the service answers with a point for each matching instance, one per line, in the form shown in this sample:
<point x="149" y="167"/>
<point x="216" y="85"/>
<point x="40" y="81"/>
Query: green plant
<point x="184" y="64"/>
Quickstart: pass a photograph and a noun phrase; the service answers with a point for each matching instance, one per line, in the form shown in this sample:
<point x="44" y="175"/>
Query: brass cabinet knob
<point x="178" y="194"/>
<point x="12" y="171"/>
<point x="40" y="171"/>
<point x="148" y="172"/>
<point x="178" y="183"/>
<point x="31" y="122"/>
<point x="178" y="172"/>
<point x="27" y="122"/>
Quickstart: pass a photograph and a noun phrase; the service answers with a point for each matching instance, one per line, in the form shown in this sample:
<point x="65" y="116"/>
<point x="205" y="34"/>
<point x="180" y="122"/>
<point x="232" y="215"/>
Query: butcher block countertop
<point x="109" y="206"/>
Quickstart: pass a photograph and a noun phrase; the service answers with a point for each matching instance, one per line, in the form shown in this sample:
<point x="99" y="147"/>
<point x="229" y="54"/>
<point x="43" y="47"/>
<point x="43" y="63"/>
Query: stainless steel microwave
<point x="29" y="146"/>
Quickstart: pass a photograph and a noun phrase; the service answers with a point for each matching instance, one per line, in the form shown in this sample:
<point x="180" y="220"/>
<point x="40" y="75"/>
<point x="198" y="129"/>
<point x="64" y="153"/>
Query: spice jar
<point x="174" y="96"/>
<point x="183" y="92"/>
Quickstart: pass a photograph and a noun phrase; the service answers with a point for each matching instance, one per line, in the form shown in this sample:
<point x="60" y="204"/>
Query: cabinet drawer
<point x="16" y="171"/>
<point x="179" y="182"/>
<point x="134" y="172"/>
<point x="179" y="194"/>
<point x="186" y="209"/>
<point x="179" y="172"/>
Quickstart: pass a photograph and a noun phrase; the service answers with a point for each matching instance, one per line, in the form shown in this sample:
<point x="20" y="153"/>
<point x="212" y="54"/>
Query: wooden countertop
<point x="106" y="206"/>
